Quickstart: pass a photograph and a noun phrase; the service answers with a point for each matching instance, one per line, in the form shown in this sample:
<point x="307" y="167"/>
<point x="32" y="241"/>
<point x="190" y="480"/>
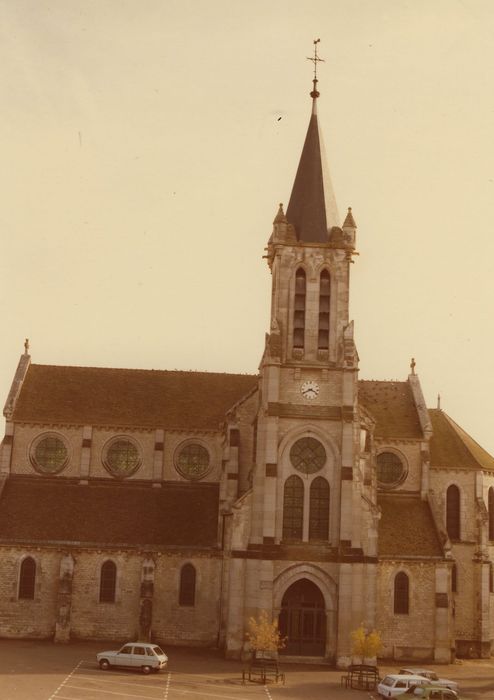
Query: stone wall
<point x="172" y="623"/>
<point x="408" y="637"/>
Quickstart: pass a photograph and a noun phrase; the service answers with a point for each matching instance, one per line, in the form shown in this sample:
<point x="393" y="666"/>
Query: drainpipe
<point x="222" y="574"/>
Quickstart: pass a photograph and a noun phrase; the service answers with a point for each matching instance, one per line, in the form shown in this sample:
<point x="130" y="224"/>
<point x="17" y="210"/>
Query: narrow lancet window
<point x="491" y="513"/>
<point x="299" y="310"/>
<point x="453" y="512"/>
<point x="108" y="582"/>
<point x="27" y="578"/>
<point x="401" y="593"/>
<point x="187" y="592"/>
<point x="293" y="508"/>
<point x="319" y="509"/>
<point x="324" y="299"/>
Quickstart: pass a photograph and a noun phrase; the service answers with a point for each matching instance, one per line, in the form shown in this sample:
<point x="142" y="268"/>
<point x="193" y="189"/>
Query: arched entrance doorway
<point x="303" y="620"/>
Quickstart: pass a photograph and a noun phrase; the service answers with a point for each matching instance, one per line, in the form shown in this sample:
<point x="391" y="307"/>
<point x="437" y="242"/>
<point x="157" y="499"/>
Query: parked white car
<point x="147" y="657"/>
<point x="396" y="684"/>
<point x="431" y="676"/>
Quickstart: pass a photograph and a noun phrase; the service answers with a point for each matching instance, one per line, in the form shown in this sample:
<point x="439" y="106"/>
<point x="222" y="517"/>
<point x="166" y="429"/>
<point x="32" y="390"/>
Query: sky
<point x="146" y="146"/>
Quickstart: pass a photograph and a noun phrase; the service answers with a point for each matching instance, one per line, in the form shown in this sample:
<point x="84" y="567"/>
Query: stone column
<point x="442" y="621"/>
<point x="146" y="603"/>
<point x="64" y="599"/>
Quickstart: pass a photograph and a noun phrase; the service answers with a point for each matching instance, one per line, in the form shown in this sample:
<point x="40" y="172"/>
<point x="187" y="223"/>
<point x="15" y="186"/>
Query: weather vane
<point x="315" y="60"/>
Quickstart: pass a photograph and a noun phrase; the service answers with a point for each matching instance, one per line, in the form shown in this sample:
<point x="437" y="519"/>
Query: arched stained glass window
<point x="453" y="512"/>
<point x="319" y="509"/>
<point x="324" y="300"/>
<point x="27" y="579"/>
<point x="401" y="594"/>
<point x="187" y="592"/>
<point x="108" y="581"/>
<point x="491" y="513"/>
<point x="293" y="508"/>
<point x="299" y="309"/>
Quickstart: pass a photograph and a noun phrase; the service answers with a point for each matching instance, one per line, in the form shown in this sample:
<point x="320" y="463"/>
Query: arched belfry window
<point x="453" y="512"/>
<point x="27" y="578"/>
<point x="401" y="594"/>
<point x="108" y="582"/>
<point x="187" y="591"/>
<point x="319" y="509"/>
<point x="491" y="513"/>
<point x="299" y="309"/>
<point x="324" y="299"/>
<point x="293" y="508"/>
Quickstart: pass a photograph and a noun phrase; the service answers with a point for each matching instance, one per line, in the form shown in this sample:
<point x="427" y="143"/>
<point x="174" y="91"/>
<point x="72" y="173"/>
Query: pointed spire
<point x="280" y="217"/>
<point x="349" y="220"/>
<point x="312" y="208"/>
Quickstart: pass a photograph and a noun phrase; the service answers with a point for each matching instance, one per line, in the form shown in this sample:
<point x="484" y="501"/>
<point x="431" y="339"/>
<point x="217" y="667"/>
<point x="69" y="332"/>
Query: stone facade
<point x="175" y="506"/>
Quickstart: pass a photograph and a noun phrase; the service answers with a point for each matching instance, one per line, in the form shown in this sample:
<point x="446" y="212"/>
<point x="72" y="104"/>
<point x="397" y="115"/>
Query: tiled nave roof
<point x="451" y="447"/>
<point x="406" y="527"/>
<point x="129" y="397"/>
<point x="392" y="406"/>
<point x="37" y="509"/>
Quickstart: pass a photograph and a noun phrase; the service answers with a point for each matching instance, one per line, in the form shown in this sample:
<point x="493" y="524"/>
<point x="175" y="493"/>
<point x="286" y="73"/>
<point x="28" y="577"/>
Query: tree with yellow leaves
<point x="365" y="644"/>
<point x="263" y="634"/>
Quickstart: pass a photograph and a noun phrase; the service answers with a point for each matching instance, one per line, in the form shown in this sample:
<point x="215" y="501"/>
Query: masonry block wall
<point x="195" y="624"/>
<point x="416" y="627"/>
<point x="28" y="618"/>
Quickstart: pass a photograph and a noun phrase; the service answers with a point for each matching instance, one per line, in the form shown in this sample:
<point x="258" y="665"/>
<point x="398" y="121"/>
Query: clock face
<point x="309" y="389"/>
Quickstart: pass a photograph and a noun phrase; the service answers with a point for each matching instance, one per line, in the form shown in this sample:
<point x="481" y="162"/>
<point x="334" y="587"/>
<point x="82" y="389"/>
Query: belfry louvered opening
<point x="299" y="309"/>
<point x="324" y="301"/>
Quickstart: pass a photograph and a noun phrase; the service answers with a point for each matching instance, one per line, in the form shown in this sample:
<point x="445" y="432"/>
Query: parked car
<point x="147" y="657"/>
<point x="430" y="692"/>
<point x="432" y="676"/>
<point x="396" y="684"/>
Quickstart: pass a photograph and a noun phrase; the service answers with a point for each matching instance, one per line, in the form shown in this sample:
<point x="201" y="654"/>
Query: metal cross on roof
<point x="315" y="60"/>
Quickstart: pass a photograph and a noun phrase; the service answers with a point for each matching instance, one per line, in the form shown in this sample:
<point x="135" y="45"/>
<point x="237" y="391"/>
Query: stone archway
<point x="302" y="619"/>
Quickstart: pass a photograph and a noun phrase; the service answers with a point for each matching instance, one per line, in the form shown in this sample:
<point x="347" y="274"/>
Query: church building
<point x="175" y="505"/>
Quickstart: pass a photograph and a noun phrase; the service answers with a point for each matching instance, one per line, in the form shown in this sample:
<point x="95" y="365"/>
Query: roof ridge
<point x="139" y="369"/>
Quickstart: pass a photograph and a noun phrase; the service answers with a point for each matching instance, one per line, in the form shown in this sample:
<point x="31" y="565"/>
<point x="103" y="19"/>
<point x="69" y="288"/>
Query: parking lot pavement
<point x="35" y="670"/>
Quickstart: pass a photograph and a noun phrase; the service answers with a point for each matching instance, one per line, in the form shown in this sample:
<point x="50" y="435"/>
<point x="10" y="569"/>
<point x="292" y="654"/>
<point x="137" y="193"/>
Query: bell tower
<point x="310" y="363"/>
<point x="308" y="533"/>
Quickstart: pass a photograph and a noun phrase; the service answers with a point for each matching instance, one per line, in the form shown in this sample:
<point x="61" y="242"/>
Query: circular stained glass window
<point x="193" y="461"/>
<point x="122" y="458"/>
<point x="308" y="455"/>
<point x="49" y="455"/>
<point x="390" y="469"/>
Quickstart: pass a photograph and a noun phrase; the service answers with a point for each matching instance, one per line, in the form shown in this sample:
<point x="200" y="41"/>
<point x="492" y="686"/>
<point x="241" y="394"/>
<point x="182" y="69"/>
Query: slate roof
<point x="312" y="207"/>
<point x="392" y="406"/>
<point x="452" y="447"/>
<point x="406" y="528"/>
<point x="129" y="397"/>
<point x="57" y="510"/>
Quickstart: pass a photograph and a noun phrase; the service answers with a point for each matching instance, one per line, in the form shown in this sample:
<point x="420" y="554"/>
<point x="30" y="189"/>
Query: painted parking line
<point x="84" y="682"/>
<point x="65" y="680"/>
<point x="184" y="685"/>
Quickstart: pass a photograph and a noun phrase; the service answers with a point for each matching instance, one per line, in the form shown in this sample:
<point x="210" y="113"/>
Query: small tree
<point x="263" y="634"/>
<point x="365" y="644"/>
